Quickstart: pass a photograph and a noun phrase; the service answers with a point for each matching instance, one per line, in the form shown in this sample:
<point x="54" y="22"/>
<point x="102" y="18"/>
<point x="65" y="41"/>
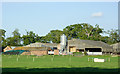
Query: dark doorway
<point x="93" y="49"/>
<point x="80" y="50"/>
<point x="55" y="48"/>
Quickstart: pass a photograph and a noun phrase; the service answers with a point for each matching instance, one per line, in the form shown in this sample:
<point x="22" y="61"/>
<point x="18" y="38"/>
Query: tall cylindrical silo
<point x="63" y="40"/>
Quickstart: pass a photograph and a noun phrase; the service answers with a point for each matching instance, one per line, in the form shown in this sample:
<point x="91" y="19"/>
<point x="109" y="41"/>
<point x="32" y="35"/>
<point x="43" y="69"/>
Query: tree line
<point x="82" y="31"/>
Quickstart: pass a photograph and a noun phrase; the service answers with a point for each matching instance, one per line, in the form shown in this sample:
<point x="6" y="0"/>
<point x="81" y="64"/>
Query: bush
<point x="85" y="53"/>
<point x="77" y="53"/>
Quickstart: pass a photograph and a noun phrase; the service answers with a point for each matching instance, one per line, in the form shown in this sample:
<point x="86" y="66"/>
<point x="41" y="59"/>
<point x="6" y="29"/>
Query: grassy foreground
<point x="50" y="63"/>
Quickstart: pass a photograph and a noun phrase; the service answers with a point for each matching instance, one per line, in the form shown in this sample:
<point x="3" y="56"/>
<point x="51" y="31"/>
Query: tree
<point x="31" y="37"/>
<point x="16" y="37"/>
<point x="83" y="31"/>
<point x="38" y="38"/>
<point x="96" y="33"/>
<point x="73" y="31"/>
<point x="15" y="40"/>
<point x="2" y="38"/>
<point x="113" y="36"/>
<point x="43" y="39"/>
<point x="105" y="39"/>
<point x="88" y="29"/>
<point x="54" y="36"/>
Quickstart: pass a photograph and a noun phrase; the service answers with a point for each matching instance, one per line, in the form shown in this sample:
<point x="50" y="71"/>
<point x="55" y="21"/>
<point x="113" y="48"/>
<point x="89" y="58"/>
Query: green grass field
<point x="50" y="63"/>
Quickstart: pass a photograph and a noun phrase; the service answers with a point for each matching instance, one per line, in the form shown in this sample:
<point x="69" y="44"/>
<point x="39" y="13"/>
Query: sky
<point x="41" y="17"/>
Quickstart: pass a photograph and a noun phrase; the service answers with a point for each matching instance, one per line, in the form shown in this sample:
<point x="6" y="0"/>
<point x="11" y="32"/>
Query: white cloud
<point x="98" y="14"/>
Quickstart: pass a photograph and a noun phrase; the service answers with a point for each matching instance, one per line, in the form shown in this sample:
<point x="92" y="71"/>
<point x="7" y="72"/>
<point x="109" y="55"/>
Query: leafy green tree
<point x="83" y="31"/>
<point x="73" y="31"/>
<point x="2" y="38"/>
<point x="96" y="33"/>
<point x="113" y="36"/>
<point x="31" y="37"/>
<point x="105" y="39"/>
<point x="15" y="40"/>
<point x="16" y="37"/>
<point x="43" y="39"/>
<point x="54" y="36"/>
<point x="38" y="38"/>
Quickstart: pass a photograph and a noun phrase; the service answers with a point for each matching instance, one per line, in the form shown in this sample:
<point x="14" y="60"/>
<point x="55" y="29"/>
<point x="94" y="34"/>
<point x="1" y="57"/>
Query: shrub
<point x="77" y="53"/>
<point x="85" y="53"/>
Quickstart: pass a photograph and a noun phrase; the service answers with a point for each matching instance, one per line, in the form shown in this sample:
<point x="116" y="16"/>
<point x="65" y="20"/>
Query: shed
<point x="56" y="52"/>
<point x="116" y="47"/>
<point x="39" y="44"/>
<point x="34" y="50"/>
<point x="78" y="45"/>
<point x="8" y="48"/>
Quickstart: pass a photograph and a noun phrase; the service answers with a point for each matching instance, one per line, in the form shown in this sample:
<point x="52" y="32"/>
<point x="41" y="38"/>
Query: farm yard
<point x="58" y="63"/>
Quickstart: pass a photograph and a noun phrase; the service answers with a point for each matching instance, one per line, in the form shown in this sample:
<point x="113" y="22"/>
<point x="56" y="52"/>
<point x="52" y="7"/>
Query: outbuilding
<point x="8" y="48"/>
<point x="34" y="50"/>
<point x="90" y="46"/>
<point x="116" y="48"/>
<point x="39" y="44"/>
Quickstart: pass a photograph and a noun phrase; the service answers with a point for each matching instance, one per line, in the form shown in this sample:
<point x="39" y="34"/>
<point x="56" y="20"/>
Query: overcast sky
<point x="41" y="17"/>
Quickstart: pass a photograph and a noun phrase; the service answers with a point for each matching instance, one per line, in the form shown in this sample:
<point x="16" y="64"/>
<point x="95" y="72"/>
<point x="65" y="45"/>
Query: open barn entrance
<point x="79" y="50"/>
<point x="72" y="49"/>
<point x="93" y="51"/>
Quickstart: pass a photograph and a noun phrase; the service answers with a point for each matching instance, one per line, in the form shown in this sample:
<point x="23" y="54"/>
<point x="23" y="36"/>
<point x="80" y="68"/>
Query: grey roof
<point x="116" y="47"/>
<point x="38" y="44"/>
<point x="82" y="44"/>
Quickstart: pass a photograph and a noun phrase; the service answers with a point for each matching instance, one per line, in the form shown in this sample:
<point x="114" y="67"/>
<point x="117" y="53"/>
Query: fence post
<point x="70" y="58"/>
<point x="51" y="59"/>
<point x="33" y="59"/>
<point x="17" y="58"/>
<point x="109" y="59"/>
<point x="92" y="59"/>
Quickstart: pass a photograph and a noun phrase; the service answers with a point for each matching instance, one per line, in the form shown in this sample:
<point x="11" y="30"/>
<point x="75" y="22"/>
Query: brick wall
<point x="26" y="53"/>
<point x="56" y="52"/>
<point x="39" y="52"/>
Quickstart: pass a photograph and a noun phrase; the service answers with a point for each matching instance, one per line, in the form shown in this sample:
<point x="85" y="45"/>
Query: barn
<point x="8" y="48"/>
<point x="34" y="50"/>
<point x="39" y="44"/>
<point x="53" y="50"/>
<point x="116" y="48"/>
<point x="90" y="46"/>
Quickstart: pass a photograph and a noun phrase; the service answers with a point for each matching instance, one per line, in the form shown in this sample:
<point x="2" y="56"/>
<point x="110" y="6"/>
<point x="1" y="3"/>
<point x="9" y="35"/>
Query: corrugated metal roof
<point x="81" y="44"/>
<point x="116" y="47"/>
<point x="38" y="44"/>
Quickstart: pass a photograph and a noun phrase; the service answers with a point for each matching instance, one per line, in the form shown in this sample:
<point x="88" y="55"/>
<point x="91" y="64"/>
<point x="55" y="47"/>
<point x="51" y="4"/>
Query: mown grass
<point x="50" y="63"/>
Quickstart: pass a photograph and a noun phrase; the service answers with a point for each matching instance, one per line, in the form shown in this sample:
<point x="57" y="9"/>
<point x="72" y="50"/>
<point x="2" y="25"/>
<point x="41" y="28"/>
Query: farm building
<point x="8" y="48"/>
<point x="14" y="52"/>
<point x="74" y="45"/>
<point x="116" y="47"/>
<point x="52" y="46"/>
<point x="38" y="44"/>
<point x="92" y="47"/>
<point x="34" y="50"/>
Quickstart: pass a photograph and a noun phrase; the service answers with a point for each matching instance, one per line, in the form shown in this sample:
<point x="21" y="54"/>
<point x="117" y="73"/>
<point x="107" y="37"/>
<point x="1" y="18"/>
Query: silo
<point x="63" y="41"/>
